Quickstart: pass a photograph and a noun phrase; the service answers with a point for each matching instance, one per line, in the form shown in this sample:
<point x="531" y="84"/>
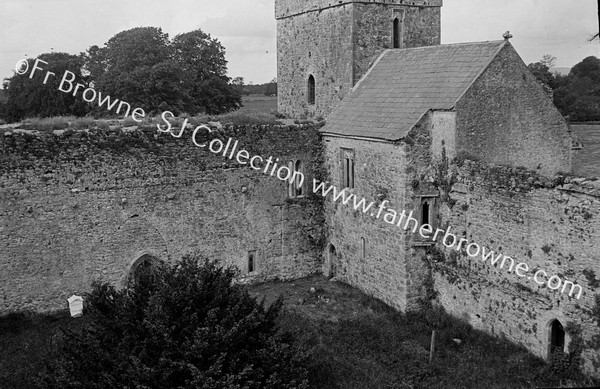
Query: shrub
<point x="184" y="325"/>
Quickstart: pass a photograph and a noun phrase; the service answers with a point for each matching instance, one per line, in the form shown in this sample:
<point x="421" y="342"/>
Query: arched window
<point x="311" y="90"/>
<point x="396" y="37"/>
<point x="144" y="268"/>
<point x="363" y="248"/>
<point x="557" y="337"/>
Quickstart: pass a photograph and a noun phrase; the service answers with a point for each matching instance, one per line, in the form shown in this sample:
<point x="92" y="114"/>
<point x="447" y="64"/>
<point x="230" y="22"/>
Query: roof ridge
<point x="498" y="42"/>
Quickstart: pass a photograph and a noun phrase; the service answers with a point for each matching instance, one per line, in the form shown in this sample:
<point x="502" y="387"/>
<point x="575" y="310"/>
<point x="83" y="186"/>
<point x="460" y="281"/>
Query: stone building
<point x="324" y="47"/>
<point x="462" y="136"/>
<point x="411" y="105"/>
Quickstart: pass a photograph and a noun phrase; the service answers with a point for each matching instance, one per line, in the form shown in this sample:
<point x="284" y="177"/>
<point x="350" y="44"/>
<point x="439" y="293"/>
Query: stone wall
<point x="317" y="44"/>
<point x="550" y="225"/>
<point x="524" y="128"/>
<point x="80" y="206"/>
<point x="374" y="25"/>
<point x="379" y="175"/>
<point x="286" y="8"/>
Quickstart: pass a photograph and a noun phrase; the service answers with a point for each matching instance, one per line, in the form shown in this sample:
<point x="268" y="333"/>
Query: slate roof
<point x="404" y="84"/>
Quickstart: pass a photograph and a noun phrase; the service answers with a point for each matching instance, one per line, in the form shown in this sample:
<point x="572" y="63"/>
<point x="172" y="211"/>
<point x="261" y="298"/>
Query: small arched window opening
<point x="311" y="90"/>
<point x="425" y="213"/>
<point x="363" y="248"/>
<point x="251" y="261"/>
<point x="557" y="337"/>
<point x="396" y="34"/>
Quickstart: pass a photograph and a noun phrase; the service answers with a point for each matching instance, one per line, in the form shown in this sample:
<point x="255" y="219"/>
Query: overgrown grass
<point x="63" y="123"/>
<point x="356" y="342"/>
<point x="75" y="123"/>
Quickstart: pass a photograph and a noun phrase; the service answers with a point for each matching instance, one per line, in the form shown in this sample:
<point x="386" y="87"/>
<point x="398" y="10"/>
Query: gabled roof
<point x="404" y="84"/>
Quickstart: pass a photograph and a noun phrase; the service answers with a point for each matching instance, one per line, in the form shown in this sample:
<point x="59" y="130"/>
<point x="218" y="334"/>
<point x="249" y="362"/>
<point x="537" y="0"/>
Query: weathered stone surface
<point x="79" y="207"/>
<point x="336" y="42"/>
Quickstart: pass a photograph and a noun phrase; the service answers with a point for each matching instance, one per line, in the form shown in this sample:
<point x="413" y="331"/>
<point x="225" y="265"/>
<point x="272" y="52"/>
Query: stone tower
<point x="325" y="46"/>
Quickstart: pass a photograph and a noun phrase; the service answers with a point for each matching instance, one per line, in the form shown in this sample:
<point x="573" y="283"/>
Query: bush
<point x="184" y="325"/>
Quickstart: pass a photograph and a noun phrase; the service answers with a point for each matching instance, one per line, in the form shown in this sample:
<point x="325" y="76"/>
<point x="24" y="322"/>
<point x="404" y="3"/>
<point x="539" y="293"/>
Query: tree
<point x="27" y="97"/>
<point x="271" y="88"/>
<point x="185" y="325"/>
<point x="541" y="70"/>
<point x="578" y="94"/>
<point x="138" y="66"/>
<point x="202" y="60"/>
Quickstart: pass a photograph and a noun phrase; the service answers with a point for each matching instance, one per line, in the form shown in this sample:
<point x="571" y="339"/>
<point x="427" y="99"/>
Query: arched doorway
<point x="557" y="337"/>
<point x="332" y="262"/>
<point x="144" y="267"/>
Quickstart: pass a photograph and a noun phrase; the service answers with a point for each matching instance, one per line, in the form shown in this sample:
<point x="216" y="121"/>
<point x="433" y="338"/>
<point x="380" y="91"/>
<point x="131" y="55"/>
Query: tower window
<point x="397" y="28"/>
<point x="311" y="90"/>
<point x="396" y="34"/>
<point x="348" y="168"/>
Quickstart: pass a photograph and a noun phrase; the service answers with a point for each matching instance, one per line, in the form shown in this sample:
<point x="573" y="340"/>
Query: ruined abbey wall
<point x="85" y="205"/>
<point x="548" y="224"/>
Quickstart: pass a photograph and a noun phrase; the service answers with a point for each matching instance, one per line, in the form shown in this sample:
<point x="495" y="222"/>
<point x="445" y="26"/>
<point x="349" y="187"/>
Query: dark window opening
<point x="348" y="172"/>
<point x="251" y="264"/>
<point x="298" y="180"/>
<point x="396" y="34"/>
<point x="425" y="213"/>
<point x="557" y="337"/>
<point x="363" y="248"/>
<point x="311" y="90"/>
<point x="347" y="161"/>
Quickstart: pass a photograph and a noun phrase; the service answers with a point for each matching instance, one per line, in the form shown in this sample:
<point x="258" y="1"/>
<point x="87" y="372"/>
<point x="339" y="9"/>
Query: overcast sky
<point x="247" y="27"/>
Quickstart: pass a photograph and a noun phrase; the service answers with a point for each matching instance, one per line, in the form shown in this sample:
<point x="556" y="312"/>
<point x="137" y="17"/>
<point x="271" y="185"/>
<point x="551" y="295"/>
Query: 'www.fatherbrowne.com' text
<point x="269" y="166"/>
<point x="449" y="240"/>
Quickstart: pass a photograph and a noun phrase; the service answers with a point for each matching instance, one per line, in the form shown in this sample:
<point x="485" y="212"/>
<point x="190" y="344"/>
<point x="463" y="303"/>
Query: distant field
<point x="258" y="103"/>
<point x="586" y="162"/>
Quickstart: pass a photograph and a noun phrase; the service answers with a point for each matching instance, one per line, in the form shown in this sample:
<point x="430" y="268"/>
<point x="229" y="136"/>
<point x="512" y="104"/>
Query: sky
<point x="247" y="28"/>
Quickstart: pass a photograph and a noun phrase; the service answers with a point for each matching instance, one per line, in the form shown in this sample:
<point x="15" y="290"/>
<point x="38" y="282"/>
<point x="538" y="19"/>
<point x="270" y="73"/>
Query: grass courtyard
<point x="357" y="342"/>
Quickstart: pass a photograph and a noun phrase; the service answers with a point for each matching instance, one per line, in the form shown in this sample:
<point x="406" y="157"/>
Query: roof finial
<point x="507" y="35"/>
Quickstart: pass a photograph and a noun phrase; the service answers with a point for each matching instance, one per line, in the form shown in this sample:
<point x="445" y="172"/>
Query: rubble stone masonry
<point x="80" y="206"/>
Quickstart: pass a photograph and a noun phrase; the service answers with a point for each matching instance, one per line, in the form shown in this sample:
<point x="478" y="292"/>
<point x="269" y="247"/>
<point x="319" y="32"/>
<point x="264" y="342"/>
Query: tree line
<point x="142" y="66"/>
<point x="576" y="95"/>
